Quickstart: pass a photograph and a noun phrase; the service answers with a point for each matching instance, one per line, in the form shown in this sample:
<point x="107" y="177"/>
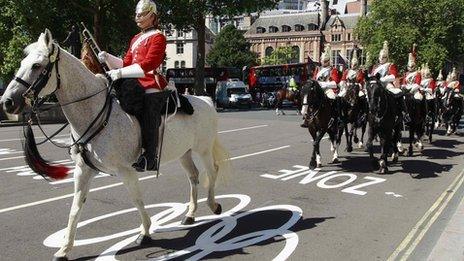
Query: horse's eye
<point x="36" y="66"/>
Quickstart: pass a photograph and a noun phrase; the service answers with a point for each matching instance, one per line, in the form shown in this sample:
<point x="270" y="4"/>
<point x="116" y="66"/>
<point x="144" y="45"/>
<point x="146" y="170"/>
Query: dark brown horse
<point x="417" y="109"/>
<point x="318" y="117"/>
<point x="289" y="95"/>
<point x="355" y="109"/>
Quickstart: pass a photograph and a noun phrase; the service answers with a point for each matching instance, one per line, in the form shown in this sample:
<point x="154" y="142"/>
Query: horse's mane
<point x="90" y="60"/>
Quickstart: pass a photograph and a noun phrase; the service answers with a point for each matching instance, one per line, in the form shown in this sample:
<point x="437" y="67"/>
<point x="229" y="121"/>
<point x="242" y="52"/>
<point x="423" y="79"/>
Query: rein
<point x="37" y="102"/>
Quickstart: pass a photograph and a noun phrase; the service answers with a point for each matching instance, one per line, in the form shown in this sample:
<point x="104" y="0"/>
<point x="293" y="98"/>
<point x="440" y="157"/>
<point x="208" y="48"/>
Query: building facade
<point x="308" y="32"/>
<point x="181" y="49"/>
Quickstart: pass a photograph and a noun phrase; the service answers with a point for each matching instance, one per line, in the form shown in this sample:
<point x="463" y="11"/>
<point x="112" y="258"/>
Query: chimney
<point x="324" y="12"/>
<point x="363" y="7"/>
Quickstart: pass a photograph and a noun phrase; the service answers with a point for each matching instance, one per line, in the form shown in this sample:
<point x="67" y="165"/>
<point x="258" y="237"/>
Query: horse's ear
<point x="48" y="39"/>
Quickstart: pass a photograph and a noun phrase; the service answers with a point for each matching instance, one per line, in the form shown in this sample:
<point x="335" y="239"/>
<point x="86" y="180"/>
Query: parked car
<point x="232" y="93"/>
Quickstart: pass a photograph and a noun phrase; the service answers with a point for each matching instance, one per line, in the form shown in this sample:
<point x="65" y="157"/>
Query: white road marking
<point x="40" y="202"/>
<point x="18" y="157"/>
<point x="41" y="137"/>
<point x="247" y="128"/>
<point x="394" y="194"/>
<point x="420" y="228"/>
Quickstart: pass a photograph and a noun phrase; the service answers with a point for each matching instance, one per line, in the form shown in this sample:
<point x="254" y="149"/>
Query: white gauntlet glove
<point x="112" y="61"/>
<point x="131" y="71"/>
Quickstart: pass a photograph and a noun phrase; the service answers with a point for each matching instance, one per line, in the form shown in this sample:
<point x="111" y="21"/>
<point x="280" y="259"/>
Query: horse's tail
<point x="222" y="160"/>
<point x="36" y="162"/>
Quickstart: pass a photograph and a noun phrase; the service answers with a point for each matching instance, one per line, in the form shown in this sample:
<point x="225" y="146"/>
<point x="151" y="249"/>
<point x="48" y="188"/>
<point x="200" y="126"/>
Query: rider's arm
<point x="392" y="74"/>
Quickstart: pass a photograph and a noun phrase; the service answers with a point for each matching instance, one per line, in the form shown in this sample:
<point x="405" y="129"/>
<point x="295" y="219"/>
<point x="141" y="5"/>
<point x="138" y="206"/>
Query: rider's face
<point x="145" y="20"/>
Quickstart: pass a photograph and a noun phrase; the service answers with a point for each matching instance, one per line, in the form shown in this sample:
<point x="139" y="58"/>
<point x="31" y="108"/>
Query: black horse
<point x="432" y="114"/>
<point x="382" y="121"/>
<point x="355" y="109"/>
<point x="417" y="109"/>
<point x="452" y="110"/>
<point x="319" y="121"/>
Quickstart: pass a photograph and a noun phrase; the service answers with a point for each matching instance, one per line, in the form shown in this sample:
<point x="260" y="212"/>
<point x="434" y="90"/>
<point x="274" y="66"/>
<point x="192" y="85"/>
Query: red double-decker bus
<point x="269" y="78"/>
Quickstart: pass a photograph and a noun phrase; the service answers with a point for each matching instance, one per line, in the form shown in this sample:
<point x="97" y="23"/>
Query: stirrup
<point x="142" y="164"/>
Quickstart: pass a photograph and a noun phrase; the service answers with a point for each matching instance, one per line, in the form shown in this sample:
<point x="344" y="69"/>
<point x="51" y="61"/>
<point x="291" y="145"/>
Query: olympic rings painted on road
<point x="207" y="242"/>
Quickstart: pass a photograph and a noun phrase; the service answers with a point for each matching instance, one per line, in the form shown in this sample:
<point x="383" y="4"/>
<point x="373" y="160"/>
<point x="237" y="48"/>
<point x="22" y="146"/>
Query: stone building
<point x="308" y="32"/>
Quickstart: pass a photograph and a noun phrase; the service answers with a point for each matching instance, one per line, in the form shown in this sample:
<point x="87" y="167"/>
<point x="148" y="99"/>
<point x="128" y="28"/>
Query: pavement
<point x="275" y="208"/>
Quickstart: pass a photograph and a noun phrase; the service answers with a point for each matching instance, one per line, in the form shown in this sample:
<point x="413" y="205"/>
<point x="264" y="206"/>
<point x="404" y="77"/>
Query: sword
<point x="160" y="147"/>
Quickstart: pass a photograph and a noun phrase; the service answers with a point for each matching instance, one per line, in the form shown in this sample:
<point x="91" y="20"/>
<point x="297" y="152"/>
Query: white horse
<point x="117" y="146"/>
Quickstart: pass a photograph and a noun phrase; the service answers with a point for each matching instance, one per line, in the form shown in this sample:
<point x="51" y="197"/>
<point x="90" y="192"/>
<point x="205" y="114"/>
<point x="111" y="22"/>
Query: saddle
<point x="131" y="95"/>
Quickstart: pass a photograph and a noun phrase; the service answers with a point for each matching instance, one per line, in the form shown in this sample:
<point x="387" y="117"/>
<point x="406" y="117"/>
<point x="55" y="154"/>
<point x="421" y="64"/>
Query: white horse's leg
<point x="82" y="177"/>
<point x="131" y="182"/>
<point x="212" y="172"/>
<point x="335" y="152"/>
<point x="187" y="163"/>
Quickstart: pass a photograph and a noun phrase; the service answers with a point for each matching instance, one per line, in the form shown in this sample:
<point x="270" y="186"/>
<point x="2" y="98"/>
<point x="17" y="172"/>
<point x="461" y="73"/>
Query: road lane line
<point x="444" y="198"/>
<point x="40" y="202"/>
<point x="41" y="137"/>
<point x="247" y="128"/>
<point x="18" y="157"/>
<point x="220" y="132"/>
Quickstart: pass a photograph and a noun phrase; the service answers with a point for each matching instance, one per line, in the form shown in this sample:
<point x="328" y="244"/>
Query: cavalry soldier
<point x="452" y="81"/>
<point x="144" y="57"/>
<point x="354" y="75"/>
<point x="388" y="73"/>
<point x="428" y="83"/>
<point x="328" y="78"/>
<point x="412" y="79"/>
<point x="441" y="84"/>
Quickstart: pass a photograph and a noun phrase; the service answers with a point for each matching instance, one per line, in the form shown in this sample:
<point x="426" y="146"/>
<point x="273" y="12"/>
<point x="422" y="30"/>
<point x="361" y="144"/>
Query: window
<point x="176" y="64"/>
<point x="164" y="67"/>
<point x="180" y="48"/>
<point x="260" y="30"/>
<point x="269" y="51"/>
<point x="335" y="59"/>
<point x="336" y="37"/>
<point x="312" y="27"/>
<point x="348" y="37"/>
<point x="182" y="64"/>
<point x="273" y="29"/>
<point x="295" y="54"/>
<point x="286" y="28"/>
<point x="299" y="28"/>
<point x="180" y="33"/>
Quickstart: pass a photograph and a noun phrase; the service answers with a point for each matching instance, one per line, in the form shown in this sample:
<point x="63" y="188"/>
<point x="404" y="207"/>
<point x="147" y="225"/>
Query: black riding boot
<point x="151" y="120"/>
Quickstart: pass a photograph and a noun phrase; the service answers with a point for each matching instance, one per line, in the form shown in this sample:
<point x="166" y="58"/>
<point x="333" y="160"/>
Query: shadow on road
<point x="449" y="144"/>
<point x="230" y="238"/>
<point x="419" y="169"/>
<point x="440" y="153"/>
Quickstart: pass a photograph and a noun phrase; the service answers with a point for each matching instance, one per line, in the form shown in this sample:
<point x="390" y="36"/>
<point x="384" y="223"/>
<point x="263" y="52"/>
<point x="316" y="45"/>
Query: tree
<point x="436" y="26"/>
<point x="231" y="49"/>
<point x="191" y="14"/>
<point x="22" y="21"/>
<point x="281" y="55"/>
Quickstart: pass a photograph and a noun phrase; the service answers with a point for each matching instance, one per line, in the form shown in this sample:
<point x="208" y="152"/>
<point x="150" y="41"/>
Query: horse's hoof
<point x="188" y="221"/>
<point x="410" y="153"/>
<point x="312" y="164"/>
<point x="349" y="149"/>
<point x="319" y="165"/>
<point x="360" y="145"/>
<point x="335" y="161"/>
<point x="143" y="240"/>
<point x="401" y="152"/>
<point x="356" y="140"/>
<point x="218" y="210"/>
<point x="60" y="258"/>
<point x="383" y="170"/>
<point x="394" y="160"/>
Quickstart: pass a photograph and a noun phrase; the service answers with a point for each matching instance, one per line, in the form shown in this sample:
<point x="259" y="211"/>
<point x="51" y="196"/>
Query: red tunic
<point x="359" y="76"/>
<point x="417" y="79"/>
<point x="149" y="53"/>
<point x="334" y="76"/>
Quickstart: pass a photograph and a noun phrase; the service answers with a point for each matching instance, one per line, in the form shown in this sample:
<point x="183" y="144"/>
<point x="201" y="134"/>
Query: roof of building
<point x="348" y="20"/>
<point x="285" y="19"/>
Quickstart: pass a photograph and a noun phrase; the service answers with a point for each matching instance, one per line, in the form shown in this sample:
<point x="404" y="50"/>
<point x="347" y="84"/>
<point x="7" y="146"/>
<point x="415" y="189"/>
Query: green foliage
<point x="436" y="26"/>
<point x="281" y="55"/>
<point x="231" y="49"/>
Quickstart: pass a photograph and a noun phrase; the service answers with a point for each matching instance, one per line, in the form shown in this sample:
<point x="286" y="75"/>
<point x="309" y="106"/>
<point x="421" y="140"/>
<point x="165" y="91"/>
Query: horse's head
<point x="375" y="91"/>
<point x="352" y="94"/>
<point x="312" y="91"/>
<point x="32" y="78"/>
